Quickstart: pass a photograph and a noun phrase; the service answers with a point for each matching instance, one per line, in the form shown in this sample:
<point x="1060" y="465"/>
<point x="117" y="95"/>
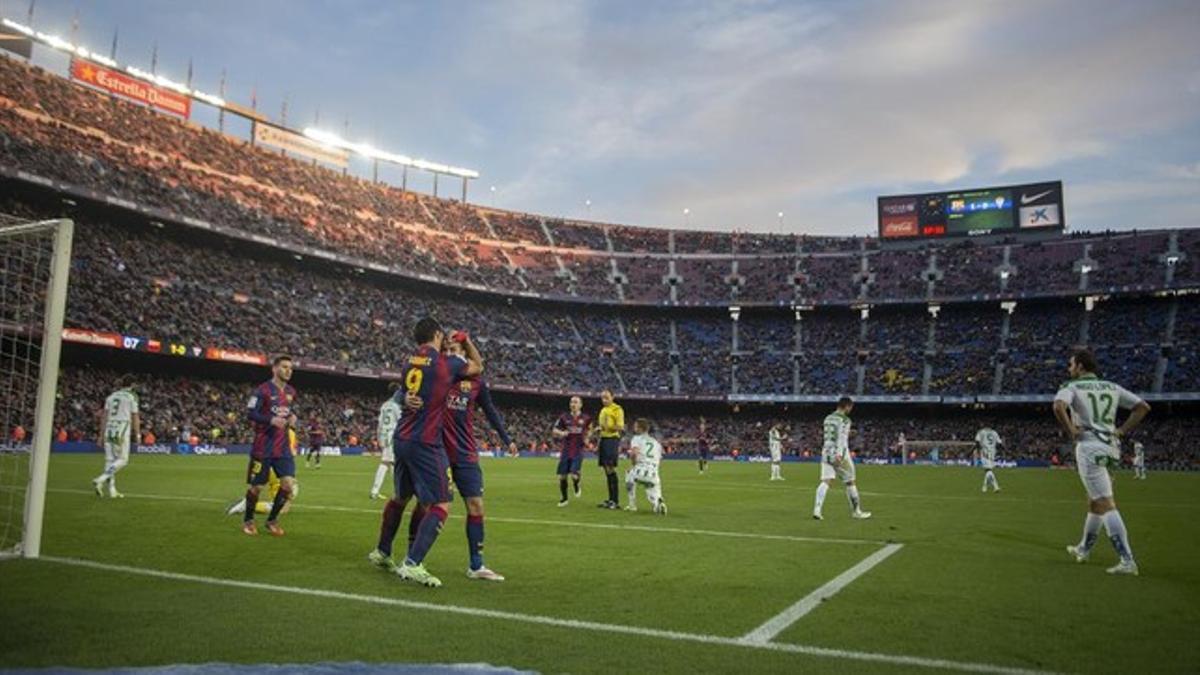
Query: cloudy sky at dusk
<point x="733" y="110"/>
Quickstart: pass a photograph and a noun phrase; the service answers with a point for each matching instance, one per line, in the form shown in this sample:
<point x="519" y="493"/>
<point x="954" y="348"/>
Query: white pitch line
<point x="780" y="622"/>
<point x="522" y="521"/>
<point x="824" y="652"/>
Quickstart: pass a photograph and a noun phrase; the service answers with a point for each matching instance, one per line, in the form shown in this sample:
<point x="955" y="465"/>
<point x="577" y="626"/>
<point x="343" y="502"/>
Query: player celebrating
<point x="459" y="437"/>
<point x="702" y="445"/>
<point x="1086" y="408"/>
<point x="775" y="439"/>
<point x="389" y="417"/>
<point x="270" y="410"/>
<point x="421" y="461"/>
<point x="836" y="461"/>
<point x="645" y="453"/>
<point x="612" y="425"/>
<point x="571" y="428"/>
<point x="986" y="441"/>
<point x="119" y="423"/>
<point x="1139" y="460"/>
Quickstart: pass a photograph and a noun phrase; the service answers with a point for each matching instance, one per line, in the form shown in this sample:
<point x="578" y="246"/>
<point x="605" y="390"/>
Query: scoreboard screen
<point x="1013" y="208"/>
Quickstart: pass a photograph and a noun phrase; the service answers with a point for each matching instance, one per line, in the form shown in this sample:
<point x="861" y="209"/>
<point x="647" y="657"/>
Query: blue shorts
<point x="468" y="479"/>
<point x="422" y="470"/>
<point x="704" y="452"/>
<point x="260" y="469"/>
<point x="567" y="464"/>
<point x="609" y="451"/>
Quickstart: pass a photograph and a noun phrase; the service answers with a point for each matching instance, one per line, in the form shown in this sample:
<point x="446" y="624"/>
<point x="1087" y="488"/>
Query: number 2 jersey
<point x="120" y="406"/>
<point x="429" y="375"/>
<point x="1094" y="403"/>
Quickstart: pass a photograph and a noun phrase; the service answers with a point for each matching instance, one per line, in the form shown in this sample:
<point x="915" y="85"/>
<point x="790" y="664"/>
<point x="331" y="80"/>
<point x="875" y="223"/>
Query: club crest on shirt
<point x="465" y="387"/>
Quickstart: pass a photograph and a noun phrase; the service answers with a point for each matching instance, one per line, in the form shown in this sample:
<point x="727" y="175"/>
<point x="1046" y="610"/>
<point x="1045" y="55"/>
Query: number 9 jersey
<point x="429" y="375"/>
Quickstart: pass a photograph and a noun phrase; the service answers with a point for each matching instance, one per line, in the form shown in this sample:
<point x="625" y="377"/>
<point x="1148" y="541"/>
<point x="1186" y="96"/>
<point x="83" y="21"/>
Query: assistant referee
<point x="611" y="426"/>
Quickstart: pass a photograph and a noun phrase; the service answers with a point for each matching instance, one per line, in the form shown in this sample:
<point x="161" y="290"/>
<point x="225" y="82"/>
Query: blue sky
<point x="735" y="110"/>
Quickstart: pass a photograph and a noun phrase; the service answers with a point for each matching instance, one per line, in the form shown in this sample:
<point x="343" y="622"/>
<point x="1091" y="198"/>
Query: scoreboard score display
<point x="1014" y="208"/>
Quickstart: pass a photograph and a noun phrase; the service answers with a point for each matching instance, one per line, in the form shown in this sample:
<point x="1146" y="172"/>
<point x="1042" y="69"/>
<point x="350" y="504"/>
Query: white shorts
<point x="116" y="451"/>
<point x="644" y="475"/>
<point x="987" y="464"/>
<point x="776" y="455"/>
<point x="387" y="454"/>
<point x="843" y="471"/>
<point x="1092" y="459"/>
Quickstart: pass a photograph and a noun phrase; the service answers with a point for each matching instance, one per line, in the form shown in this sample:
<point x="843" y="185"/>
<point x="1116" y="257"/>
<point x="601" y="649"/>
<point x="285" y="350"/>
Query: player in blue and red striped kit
<point x="421" y="461"/>
<point x="271" y="411"/>
<point x="572" y="428"/>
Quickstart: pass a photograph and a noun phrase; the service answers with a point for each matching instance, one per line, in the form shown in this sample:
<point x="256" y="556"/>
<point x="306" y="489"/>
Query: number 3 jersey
<point x="1094" y="403"/>
<point x="121" y="406"/>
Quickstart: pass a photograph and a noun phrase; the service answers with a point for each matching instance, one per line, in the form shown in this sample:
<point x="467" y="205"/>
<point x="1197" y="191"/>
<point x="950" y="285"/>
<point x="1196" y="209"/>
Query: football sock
<point x="822" y="490"/>
<point x="475" y="540"/>
<point x="414" y="523"/>
<point x="612" y="488"/>
<point x="653" y="493"/>
<point x="852" y="495"/>
<point x="562" y="488"/>
<point x="575" y="482"/>
<point x="380" y="474"/>
<point x="281" y="498"/>
<point x="1091" y="530"/>
<point x="631" y="492"/>
<point x="1118" y="535"/>
<point x="392" y="513"/>
<point x="427" y="534"/>
<point x="251" y="502"/>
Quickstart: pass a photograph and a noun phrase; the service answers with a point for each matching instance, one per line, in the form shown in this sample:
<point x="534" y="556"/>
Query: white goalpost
<point x="35" y="261"/>
<point x="934" y="451"/>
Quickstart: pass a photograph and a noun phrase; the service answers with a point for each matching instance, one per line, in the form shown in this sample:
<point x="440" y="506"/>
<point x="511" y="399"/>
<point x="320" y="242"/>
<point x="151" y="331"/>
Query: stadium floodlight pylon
<point x="35" y="262"/>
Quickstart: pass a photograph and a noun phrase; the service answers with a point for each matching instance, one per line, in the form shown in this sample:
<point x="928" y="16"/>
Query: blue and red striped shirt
<point x="269" y="401"/>
<point x="459" y="432"/>
<point x="430" y="376"/>
<point x="575" y="426"/>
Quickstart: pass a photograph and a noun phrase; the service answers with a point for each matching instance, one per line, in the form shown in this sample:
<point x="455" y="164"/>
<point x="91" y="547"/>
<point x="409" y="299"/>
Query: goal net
<point x="935" y="451"/>
<point x="34" y="264"/>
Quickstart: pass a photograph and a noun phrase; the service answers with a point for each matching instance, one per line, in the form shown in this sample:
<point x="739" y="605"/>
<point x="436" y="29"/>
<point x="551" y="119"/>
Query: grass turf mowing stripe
<point x="823" y="652"/>
<point x="520" y="521"/>
<point x="808" y="603"/>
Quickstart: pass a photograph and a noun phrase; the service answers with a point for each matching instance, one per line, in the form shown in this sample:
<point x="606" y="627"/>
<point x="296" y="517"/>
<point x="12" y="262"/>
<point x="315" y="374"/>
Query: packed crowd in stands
<point x="56" y="129"/>
<point x="176" y="409"/>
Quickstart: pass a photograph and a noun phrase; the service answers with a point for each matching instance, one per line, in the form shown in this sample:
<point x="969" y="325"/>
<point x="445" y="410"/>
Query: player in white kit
<point x="389" y="417"/>
<point x="120" y="424"/>
<point x="646" y="454"/>
<point x="836" y="461"/>
<point x="775" y="439"/>
<point x="986" y="441"/>
<point x="1086" y="408"/>
<point x="1139" y="460"/>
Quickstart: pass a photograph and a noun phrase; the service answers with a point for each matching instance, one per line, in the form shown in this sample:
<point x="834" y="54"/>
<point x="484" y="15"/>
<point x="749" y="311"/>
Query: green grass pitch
<point x="980" y="579"/>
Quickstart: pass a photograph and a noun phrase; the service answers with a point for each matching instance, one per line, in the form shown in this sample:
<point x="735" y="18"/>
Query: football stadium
<point x="784" y="336"/>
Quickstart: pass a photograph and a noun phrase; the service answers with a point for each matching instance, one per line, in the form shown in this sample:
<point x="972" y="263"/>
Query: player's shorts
<point x="609" y="451"/>
<point x="258" y="473"/>
<point x="422" y="470"/>
<point x="468" y="479"/>
<point x="776" y="455"/>
<point x="987" y="464"/>
<point x="386" y="454"/>
<point x="1092" y="459"/>
<point x="843" y="471"/>
<point x="116" y="451"/>
<point x="704" y="452"/>
<point x="568" y="464"/>
<point x="643" y="475"/>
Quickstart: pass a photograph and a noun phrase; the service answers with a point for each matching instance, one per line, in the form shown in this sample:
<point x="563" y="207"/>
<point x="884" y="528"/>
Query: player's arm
<point x="619" y="420"/>
<point x="559" y="430"/>
<point x="136" y="420"/>
<point x="103" y="417"/>
<point x="1139" y="412"/>
<point x="474" y="358"/>
<point x="494" y="417"/>
<point x="1062" y="411"/>
<point x="254" y="411"/>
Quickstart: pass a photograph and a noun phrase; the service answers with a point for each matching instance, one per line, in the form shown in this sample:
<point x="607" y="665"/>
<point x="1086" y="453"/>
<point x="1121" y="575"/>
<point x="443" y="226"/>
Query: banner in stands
<point x="91" y="337"/>
<point x="235" y="356"/>
<point x="300" y="145"/>
<point x="143" y="92"/>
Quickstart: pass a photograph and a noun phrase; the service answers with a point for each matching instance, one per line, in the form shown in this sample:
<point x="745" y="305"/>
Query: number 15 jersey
<point x="1094" y="403"/>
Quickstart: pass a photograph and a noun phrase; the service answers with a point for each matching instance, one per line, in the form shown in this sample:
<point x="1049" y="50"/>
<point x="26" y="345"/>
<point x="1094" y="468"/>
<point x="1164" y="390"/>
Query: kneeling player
<point x="836" y="461"/>
<point x="645" y="452"/>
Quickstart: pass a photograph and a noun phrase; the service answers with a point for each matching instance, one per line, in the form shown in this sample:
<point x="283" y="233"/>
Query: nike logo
<point x="1025" y="199"/>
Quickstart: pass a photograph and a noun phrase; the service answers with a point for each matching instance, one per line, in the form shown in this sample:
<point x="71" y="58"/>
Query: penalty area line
<point x="780" y="622"/>
<point x="638" y="631"/>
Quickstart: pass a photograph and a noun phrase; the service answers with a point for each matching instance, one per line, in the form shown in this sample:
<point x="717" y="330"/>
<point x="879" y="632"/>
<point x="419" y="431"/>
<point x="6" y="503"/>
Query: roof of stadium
<point x="758" y="116"/>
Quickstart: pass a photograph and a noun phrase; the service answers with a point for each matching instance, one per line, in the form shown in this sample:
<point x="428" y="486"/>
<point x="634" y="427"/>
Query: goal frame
<point x="51" y="350"/>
